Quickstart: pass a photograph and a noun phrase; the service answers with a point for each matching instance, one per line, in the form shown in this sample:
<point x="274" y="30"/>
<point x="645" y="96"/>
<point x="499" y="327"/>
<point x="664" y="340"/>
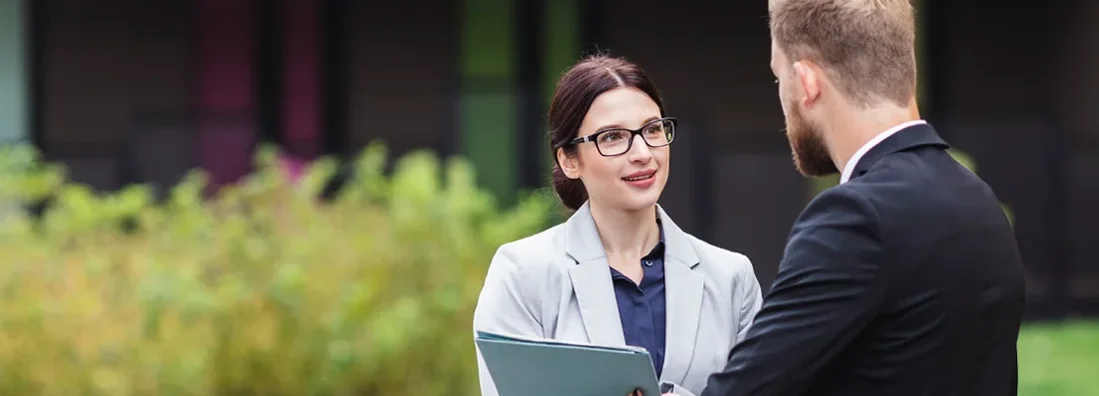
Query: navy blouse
<point x="642" y="307"/>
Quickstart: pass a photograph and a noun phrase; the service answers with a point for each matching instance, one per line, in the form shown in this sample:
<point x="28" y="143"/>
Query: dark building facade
<point x="137" y="91"/>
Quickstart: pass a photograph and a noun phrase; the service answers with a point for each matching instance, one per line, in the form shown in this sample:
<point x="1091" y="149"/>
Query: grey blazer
<point x="556" y="284"/>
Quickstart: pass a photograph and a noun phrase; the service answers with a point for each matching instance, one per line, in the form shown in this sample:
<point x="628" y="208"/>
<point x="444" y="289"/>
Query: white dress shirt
<point x="850" y="167"/>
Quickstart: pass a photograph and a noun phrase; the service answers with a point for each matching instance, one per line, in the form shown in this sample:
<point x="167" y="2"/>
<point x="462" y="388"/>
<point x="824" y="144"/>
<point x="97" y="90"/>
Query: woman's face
<point x="634" y="179"/>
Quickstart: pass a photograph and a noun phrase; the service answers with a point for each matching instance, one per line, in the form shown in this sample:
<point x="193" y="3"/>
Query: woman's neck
<point x="626" y="233"/>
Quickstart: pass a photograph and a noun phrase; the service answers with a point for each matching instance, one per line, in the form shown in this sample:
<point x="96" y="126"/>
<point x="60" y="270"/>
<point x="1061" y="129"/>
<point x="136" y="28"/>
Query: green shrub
<point x="261" y="290"/>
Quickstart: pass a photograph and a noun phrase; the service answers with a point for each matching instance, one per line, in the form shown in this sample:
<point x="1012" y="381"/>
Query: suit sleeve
<point x="504" y="307"/>
<point x="829" y="285"/>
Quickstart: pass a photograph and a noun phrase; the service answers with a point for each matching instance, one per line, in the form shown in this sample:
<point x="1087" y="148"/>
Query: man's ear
<point x="569" y="165"/>
<point x="809" y="79"/>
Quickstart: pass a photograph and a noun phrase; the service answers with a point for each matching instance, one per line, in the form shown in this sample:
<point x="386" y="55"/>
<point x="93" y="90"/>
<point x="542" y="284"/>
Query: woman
<point x="619" y="271"/>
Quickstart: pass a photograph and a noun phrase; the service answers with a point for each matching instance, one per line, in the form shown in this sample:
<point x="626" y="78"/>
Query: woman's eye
<point x="610" y="136"/>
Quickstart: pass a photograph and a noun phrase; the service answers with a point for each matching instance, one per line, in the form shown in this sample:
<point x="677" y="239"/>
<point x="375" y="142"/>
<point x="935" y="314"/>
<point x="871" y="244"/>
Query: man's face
<point x="806" y="137"/>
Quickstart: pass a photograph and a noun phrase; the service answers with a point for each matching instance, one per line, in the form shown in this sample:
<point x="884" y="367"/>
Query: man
<point x="905" y="279"/>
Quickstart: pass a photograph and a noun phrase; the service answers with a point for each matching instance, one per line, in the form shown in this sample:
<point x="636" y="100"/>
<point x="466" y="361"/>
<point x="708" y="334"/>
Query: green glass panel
<point x="562" y="49"/>
<point x="487" y="104"/>
<point x="13" y="73"/>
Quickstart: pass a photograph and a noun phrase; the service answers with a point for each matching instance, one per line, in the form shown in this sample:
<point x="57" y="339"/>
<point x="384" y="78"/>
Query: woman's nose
<point x="639" y="151"/>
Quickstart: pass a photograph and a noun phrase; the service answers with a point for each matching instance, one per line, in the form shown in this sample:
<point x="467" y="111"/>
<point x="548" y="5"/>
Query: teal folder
<point x="534" y="367"/>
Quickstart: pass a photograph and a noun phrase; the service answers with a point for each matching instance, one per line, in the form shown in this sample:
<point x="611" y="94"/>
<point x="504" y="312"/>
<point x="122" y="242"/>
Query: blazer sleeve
<point x="829" y="285"/>
<point x="504" y="306"/>
<point x="751" y="299"/>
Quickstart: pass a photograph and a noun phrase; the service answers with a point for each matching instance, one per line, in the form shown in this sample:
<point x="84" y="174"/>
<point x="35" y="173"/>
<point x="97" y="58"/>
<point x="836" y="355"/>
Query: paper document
<point x="522" y="366"/>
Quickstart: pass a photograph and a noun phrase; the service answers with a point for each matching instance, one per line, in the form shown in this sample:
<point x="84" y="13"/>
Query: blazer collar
<point x="906" y="139"/>
<point x="582" y="240"/>
<point x="591" y="281"/>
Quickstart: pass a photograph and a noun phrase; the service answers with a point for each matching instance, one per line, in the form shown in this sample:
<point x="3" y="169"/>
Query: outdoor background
<point x="125" y="273"/>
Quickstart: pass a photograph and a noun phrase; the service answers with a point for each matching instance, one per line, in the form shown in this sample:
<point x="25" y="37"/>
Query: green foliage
<point x="818" y="185"/>
<point x="261" y="290"/>
<point x="1059" y="359"/>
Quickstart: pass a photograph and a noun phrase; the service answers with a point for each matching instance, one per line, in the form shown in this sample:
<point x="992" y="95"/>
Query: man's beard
<point x="811" y="156"/>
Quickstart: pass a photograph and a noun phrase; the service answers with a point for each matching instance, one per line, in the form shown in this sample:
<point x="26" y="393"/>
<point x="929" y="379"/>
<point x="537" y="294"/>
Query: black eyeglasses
<point x="618" y="141"/>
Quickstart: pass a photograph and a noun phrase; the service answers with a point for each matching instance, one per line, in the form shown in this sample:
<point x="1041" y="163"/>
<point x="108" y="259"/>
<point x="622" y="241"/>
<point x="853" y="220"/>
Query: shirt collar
<point x="658" y="250"/>
<point x="850" y="167"/>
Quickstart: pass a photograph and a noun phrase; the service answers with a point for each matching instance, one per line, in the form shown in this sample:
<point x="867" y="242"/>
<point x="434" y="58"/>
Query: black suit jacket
<point x="906" y="280"/>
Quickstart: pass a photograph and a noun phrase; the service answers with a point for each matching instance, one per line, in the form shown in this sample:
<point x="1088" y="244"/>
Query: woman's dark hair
<point x="576" y="90"/>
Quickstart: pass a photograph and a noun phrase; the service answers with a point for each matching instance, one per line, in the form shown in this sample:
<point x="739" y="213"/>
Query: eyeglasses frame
<point x="633" y="133"/>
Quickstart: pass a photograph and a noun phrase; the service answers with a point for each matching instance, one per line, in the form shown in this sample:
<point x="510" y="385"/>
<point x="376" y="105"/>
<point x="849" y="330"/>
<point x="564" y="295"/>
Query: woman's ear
<point x="570" y="166"/>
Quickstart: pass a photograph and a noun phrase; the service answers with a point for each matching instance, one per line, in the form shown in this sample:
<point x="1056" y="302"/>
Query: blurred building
<point x="129" y="91"/>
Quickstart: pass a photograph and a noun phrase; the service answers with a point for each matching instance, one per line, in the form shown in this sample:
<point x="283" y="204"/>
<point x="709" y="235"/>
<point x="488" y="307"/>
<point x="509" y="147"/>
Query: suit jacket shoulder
<point x="725" y="265"/>
<point x="540" y="259"/>
<point x="530" y="268"/>
<point x="846" y="205"/>
<point x="535" y="251"/>
<point x="904" y="280"/>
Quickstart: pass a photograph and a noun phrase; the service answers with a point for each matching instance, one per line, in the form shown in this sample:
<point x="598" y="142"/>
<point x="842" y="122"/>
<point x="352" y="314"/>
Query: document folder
<point x="535" y="367"/>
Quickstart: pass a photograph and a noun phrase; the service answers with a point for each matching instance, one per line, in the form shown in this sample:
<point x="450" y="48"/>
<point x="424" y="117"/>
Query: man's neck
<point x="860" y="127"/>
<point x="629" y="233"/>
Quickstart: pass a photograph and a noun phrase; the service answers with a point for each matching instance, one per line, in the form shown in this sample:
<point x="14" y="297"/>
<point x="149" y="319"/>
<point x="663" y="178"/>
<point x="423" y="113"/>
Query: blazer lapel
<point x="591" y="280"/>
<point x="683" y="291"/>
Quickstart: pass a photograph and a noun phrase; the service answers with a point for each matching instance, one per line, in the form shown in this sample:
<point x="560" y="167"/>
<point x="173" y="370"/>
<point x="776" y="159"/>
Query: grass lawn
<point x="1058" y="359"/>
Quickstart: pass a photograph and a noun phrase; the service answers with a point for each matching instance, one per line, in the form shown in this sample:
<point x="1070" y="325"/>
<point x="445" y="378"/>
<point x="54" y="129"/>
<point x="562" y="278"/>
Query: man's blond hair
<point x="867" y="47"/>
